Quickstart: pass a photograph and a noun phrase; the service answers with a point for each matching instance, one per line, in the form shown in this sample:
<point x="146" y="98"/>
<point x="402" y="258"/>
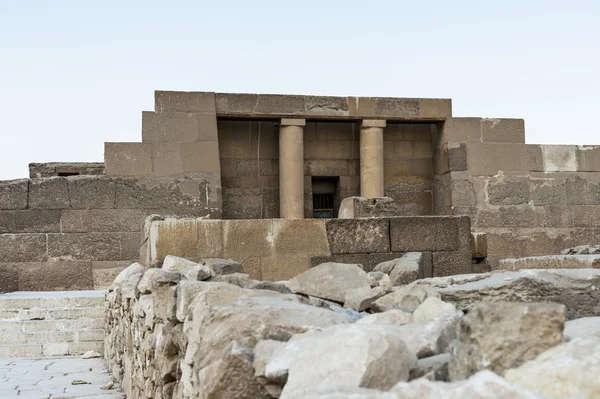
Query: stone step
<point x="50" y="349"/>
<point x="21" y="338"/>
<point x="38" y="326"/>
<point x="96" y="312"/>
<point x="51" y="300"/>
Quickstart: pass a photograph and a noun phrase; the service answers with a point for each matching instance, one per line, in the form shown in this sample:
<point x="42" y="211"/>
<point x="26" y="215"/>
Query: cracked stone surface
<point x="51" y="377"/>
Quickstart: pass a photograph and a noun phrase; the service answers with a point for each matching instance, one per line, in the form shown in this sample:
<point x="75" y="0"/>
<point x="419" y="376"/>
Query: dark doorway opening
<point x="325" y="197"/>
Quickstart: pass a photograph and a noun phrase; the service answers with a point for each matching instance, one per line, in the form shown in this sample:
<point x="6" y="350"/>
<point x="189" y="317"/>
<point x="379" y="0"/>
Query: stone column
<point x="291" y="168"/>
<point x="371" y="158"/>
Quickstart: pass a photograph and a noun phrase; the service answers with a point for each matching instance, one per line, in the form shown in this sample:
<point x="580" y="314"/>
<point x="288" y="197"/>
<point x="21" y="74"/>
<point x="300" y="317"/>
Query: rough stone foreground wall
<point x="78" y="232"/>
<point x="529" y="199"/>
<point x="277" y="249"/>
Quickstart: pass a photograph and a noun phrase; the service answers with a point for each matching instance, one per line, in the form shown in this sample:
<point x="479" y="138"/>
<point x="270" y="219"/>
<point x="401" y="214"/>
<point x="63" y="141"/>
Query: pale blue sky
<point x="74" y="74"/>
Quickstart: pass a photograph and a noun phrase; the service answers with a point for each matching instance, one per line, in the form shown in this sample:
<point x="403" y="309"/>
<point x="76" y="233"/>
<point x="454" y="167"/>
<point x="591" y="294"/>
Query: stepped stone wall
<point x="278" y="249"/>
<point x="78" y="232"/>
<point x="529" y="199"/>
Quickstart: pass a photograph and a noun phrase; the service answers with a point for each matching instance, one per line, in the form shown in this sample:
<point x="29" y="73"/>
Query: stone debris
<point x="582" y="328"/>
<point x="90" y="355"/>
<point x="582" y="250"/>
<point x="222" y="267"/>
<point x="569" y="370"/>
<point x="230" y="336"/>
<point x="498" y="336"/>
<point x="403" y="270"/>
<point x="330" y="281"/>
<point x="577" y="289"/>
<point x="191" y="270"/>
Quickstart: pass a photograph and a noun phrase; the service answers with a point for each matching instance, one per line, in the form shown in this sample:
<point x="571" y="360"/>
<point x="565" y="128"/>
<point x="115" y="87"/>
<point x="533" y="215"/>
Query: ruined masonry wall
<point x="249" y="154"/>
<point x="70" y="233"/>
<point x="278" y="249"/>
<point x="529" y="199"/>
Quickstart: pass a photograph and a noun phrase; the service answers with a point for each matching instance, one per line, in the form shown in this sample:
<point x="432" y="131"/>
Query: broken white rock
<point x="90" y="355"/>
<point x="431" y="337"/>
<point x="222" y="266"/>
<point x="330" y="281"/>
<point x="394" y="316"/>
<point x="569" y="370"/>
<point x="360" y="299"/>
<point x="432" y="308"/>
<point x="379" y="279"/>
<point x="191" y="270"/>
<point x="498" y="336"/>
<point x="403" y="270"/>
<point x="407" y="298"/>
<point x="349" y="356"/>
<point x="157" y="277"/>
<point x="582" y="328"/>
<point x="484" y="384"/>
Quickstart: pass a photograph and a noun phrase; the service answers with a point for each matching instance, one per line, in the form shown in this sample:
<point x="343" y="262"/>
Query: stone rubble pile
<point x="206" y="330"/>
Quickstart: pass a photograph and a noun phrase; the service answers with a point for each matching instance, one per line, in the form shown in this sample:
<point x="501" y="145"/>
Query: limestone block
<point x="167" y="160"/>
<point x="180" y="101"/>
<point x="247" y="238"/>
<point x="85" y="246"/>
<point x="49" y="193"/>
<point x="37" y="221"/>
<point x="92" y="192"/>
<point x="461" y="130"/>
<point x="178" y="127"/>
<point x="368" y="261"/>
<point x="587" y="158"/>
<point x="326" y="105"/>
<point x="126" y="220"/>
<point x="370" y="355"/>
<point x="9" y="278"/>
<point x="578" y="362"/>
<point x="200" y="157"/>
<point x="13" y="194"/>
<point x="393" y="316"/>
<point x="358" y="235"/>
<point x="76" y="221"/>
<point x="191" y="270"/>
<point x="221" y="267"/>
<point x="300" y="238"/>
<point x="404" y="270"/>
<point x="128" y="159"/>
<point x="156" y="278"/>
<point x="7" y="222"/>
<point x="429" y="338"/>
<point x="56" y="276"/>
<point x="503" y="130"/>
<point x="448" y="263"/>
<point x="457" y="157"/>
<point x="509" y="191"/>
<point x="330" y="281"/>
<point x="484" y="384"/>
<point x="424" y="234"/>
<point x="23" y="247"/>
<point x="494" y="157"/>
<point x="431" y="308"/>
<point x="406" y="298"/>
<point x="498" y="336"/>
<point x="551" y="262"/>
<point x="231" y="376"/>
<point x="435" y="108"/>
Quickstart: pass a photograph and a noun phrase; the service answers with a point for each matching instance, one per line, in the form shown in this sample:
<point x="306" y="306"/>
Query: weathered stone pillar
<point x="291" y="168"/>
<point x="371" y="158"/>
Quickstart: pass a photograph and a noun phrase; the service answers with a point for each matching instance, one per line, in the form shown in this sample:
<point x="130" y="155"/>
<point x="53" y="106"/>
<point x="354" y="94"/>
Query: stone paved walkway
<point x="51" y="377"/>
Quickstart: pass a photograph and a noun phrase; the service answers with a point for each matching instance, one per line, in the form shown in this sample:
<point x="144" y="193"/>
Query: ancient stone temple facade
<point x="280" y="157"/>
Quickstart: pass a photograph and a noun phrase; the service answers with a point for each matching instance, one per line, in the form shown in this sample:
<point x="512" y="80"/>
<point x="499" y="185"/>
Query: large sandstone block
<point x="128" y="159"/>
<point x="300" y="238"/>
<point x="125" y="220"/>
<point x="347" y="236"/>
<point x="37" y="221"/>
<point x="178" y="127"/>
<point x="461" y="130"/>
<point x="503" y="131"/>
<point x="9" y="278"/>
<point x="510" y="191"/>
<point x="23" y="247"/>
<point x="49" y="193"/>
<point x="13" y="194"/>
<point x="56" y="276"/>
<point x="92" y="192"/>
<point x="503" y="335"/>
<point x="410" y="234"/>
<point x="489" y="158"/>
<point x="247" y="238"/>
<point x="84" y="246"/>
<point x="182" y="101"/>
